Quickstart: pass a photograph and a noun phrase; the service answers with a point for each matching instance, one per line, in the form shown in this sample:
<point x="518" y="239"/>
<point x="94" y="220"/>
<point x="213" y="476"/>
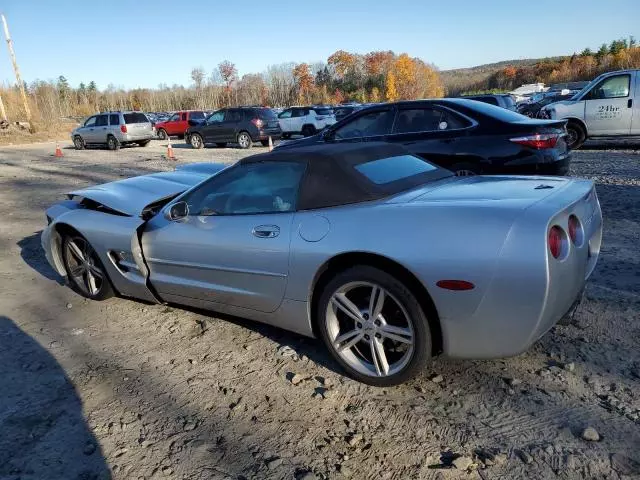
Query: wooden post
<point x="3" y="113"/>
<point x="17" y="71"/>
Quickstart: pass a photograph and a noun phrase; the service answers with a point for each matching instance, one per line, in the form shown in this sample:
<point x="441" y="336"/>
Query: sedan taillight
<point x="538" y="141"/>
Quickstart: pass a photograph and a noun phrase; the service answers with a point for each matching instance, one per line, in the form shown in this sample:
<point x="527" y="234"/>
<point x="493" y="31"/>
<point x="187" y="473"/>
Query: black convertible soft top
<point x="334" y="172"/>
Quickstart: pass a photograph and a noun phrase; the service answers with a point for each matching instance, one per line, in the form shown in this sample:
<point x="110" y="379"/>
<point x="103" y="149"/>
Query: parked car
<point x="533" y="109"/>
<point x="113" y="129"/>
<point x="608" y="107"/>
<point x="305" y="121"/>
<point x="500" y="100"/>
<point x="243" y="125"/>
<point x="465" y="136"/>
<point x="365" y="246"/>
<point x="178" y="123"/>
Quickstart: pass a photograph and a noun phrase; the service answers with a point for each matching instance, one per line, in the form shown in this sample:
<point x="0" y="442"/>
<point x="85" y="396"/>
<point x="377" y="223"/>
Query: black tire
<point x="420" y="354"/>
<point x="144" y="143"/>
<point x="221" y="144"/>
<point x="112" y="143"/>
<point x="162" y="134"/>
<point x="244" y="140"/>
<point x="265" y="143"/>
<point x="196" y="140"/>
<point x="465" y="169"/>
<point x="78" y="142"/>
<point x="576" y="135"/>
<point x="308" y="130"/>
<point x="285" y="136"/>
<point x="104" y="288"/>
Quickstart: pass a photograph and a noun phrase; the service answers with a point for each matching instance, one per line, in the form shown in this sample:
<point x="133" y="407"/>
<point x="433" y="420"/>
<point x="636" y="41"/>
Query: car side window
<point x="286" y="114"/>
<point x="102" y="120"/>
<point x="233" y="116"/>
<point x="426" y="119"/>
<point x="256" y="188"/>
<point x="114" y="119"/>
<point x="91" y="122"/>
<point x="617" y="86"/>
<point x="366" y="125"/>
<point x="196" y="115"/>
<point x="216" y="117"/>
<point x="174" y="118"/>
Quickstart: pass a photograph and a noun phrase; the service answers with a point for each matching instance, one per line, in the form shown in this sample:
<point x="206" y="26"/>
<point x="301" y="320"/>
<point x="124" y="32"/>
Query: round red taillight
<point x="555" y="241"/>
<point x="574" y="229"/>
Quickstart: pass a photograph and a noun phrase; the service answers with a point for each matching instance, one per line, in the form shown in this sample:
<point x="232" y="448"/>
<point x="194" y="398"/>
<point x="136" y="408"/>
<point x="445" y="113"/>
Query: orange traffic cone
<point x="58" y="150"/>
<point x="270" y="143"/>
<point x="170" y="152"/>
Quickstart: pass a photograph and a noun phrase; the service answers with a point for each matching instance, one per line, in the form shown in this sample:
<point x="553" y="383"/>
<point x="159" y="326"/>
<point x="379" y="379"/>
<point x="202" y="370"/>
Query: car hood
<point x="300" y="142"/>
<point x="130" y="196"/>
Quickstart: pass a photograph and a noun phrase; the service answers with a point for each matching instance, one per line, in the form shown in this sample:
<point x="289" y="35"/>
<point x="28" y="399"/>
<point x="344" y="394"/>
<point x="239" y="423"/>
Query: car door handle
<point x="266" y="231"/>
<point x="630" y="103"/>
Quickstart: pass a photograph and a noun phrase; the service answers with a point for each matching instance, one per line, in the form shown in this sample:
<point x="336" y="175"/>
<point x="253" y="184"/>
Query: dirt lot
<point x="92" y="390"/>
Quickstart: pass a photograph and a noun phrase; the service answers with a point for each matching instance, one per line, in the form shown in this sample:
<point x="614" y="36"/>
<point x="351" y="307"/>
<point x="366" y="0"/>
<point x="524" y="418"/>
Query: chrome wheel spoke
<point x="77" y="272"/>
<point x="346" y="306"/>
<point x="351" y="338"/>
<point x="76" y="251"/>
<point x="399" y="334"/>
<point x="379" y="357"/>
<point x="376" y="302"/>
<point x="91" y="283"/>
<point x="95" y="271"/>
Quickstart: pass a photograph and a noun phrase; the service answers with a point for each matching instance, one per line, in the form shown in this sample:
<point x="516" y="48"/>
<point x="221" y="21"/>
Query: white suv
<point x="305" y="120"/>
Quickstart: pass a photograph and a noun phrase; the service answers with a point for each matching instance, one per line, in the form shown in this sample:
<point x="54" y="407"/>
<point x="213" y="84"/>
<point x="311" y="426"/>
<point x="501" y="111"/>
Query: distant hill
<point x="459" y="80"/>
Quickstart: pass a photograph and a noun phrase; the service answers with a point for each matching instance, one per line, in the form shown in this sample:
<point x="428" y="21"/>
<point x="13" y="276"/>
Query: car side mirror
<point x="178" y="211"/>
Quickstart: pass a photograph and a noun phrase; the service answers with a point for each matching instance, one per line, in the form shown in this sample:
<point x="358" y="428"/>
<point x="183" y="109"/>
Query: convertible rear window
<point x="391" y="169"/>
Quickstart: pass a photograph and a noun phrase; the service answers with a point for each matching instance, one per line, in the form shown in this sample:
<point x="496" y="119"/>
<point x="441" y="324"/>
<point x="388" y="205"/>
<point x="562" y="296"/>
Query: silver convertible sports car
<point x="384" y="256"/>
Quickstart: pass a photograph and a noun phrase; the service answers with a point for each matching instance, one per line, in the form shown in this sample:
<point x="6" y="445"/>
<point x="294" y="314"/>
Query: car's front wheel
<point x="308" y="130"/>
<point x="576" y="135"/>
<point x="244" y="140"/>
<point x="78" y="142"/>
<point x="112" y="143"/>
<point x="196" y="140"/>
<point x="374" y="326"/>
<point x="85" y="271"/>
<point x="162" y="134"/>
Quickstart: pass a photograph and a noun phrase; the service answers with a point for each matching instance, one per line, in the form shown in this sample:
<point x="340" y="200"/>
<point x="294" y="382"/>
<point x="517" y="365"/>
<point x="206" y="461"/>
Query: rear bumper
<point x="130" y="137"/>
<point x="274" y="133"/>
<point x="538" y="164"/>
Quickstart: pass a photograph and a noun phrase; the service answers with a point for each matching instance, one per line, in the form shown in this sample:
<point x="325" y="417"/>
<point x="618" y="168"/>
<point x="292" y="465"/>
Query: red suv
<point x="178" y="123"/>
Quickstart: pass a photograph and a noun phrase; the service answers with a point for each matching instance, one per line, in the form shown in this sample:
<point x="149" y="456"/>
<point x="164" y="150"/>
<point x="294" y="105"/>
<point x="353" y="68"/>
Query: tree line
<point x="617" y="55"/>
<point x="372" y="77"/>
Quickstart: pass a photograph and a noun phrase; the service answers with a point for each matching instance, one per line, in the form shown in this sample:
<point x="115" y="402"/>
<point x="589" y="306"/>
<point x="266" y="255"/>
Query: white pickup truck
<point x="608" y="107"/>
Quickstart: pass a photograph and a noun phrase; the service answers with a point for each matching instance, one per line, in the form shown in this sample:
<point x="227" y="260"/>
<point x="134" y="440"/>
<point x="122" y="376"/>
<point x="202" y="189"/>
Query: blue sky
<point x="141" y="43"/>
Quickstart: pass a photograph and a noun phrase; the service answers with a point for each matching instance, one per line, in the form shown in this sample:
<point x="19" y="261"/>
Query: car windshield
<point x="586" y="88"/>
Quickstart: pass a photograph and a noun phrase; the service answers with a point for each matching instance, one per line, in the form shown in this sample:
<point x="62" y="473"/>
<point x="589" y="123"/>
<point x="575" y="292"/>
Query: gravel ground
<point x="122" y="389"/>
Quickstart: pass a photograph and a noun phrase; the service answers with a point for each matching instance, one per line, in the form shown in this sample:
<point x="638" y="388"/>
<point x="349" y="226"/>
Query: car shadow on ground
<point x="44" y="433"/>
<point x="33" y="255"/>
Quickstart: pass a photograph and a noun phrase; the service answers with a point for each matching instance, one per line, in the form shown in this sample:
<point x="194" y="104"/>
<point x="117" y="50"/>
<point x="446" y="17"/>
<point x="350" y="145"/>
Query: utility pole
<point x="17" y="71"/>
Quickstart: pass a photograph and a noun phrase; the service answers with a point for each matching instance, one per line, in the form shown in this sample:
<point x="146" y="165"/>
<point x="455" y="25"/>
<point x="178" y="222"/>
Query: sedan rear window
<point x="323" y="111"/>
<point x="387" y="170"/>
<point x="500" y="113"/>
<point x="135" y="117"/>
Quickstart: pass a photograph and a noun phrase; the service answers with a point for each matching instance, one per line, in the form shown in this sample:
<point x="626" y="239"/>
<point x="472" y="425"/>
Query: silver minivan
<point x="608" y="107"/>
<point x="114" y="129"/>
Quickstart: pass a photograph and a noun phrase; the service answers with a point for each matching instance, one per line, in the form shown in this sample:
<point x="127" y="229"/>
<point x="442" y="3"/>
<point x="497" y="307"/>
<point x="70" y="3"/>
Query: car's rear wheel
<point x="144" y="143"/>
<point x="85" y="271"/>
<point x="285" y="136"/>
<point x="576" y="135"/>
<point x="244" y="140"/>
<point x="308" y="130"/>
<point x="112" y="143"/>
<point x="78" y="142"/>
<point x="196" y="140"/>
<point x="221" y="144"/>
<point x="162" y="134"/>
<point x="374" y="326"/>
<point x="465" y="169"/>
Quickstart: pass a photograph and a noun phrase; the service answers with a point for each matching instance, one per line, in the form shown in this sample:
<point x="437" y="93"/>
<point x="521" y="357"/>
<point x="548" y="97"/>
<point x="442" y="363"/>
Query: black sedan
<point x="464" y="136"/>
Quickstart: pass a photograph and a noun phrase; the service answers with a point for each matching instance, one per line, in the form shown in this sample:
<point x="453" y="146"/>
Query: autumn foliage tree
<point x="304" y="81"/>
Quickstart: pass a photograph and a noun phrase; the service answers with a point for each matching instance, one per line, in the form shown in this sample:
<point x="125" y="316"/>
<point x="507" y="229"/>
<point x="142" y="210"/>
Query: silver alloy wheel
<point x="84" y="270"/>
<point x="162" y="134"/>
<point x="78" y="143"/>
<point x="243" y="140"/>
<point x="112" y="144"/>
<point x="370" y="329"/>
<point x="465" y="173"/>
<point x="196" y="141"/>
